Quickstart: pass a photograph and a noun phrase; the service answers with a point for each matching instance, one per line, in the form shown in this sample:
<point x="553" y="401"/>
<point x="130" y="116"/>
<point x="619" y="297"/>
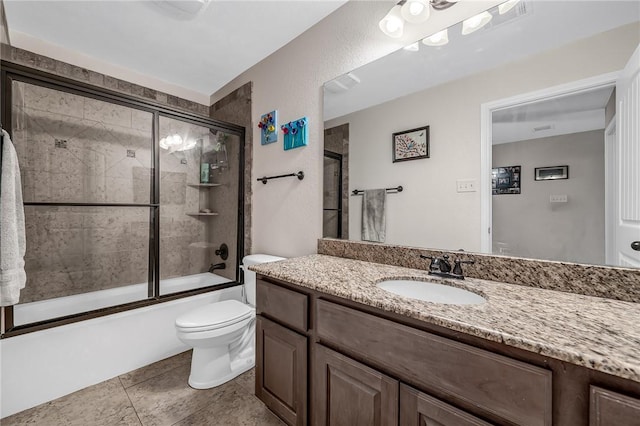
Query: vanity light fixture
<point x="411" y="11"/>
<point x="413" y="47"/>
<point x="393" y="24"/>
<point x="507" y="6"/>
<point x="415" y="11"/>
<point x="476" y="22"/>
<point x="438" y="39"/>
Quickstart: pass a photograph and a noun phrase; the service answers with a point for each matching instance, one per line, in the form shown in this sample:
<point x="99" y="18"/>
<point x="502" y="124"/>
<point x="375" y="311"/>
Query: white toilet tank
<point x="250" y="276"/>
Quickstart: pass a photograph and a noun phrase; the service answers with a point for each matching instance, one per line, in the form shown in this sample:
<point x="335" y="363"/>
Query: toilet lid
<point x="214" y="315"/>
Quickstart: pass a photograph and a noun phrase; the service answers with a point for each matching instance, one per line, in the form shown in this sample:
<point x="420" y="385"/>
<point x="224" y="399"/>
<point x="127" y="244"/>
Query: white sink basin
<point x="431" y="292"/>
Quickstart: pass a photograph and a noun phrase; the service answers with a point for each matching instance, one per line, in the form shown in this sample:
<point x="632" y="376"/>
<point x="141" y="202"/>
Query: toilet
<point x="222" y="334"/>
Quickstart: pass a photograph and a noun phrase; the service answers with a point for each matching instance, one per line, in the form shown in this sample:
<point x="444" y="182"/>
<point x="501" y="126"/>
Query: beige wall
<point x="430" y="213"/>
<point x="287" y="214"/>
<point x="529" y="225"/>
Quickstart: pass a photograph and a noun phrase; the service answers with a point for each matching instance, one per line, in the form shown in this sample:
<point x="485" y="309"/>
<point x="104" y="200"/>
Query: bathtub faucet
<point x="215" y="266"/>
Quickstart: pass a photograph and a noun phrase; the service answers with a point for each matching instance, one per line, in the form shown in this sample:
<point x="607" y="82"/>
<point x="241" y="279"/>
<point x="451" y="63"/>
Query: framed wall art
<point x="552" y="173"/>
<point x="505" y="180"/>
<point x="411" y="144"/>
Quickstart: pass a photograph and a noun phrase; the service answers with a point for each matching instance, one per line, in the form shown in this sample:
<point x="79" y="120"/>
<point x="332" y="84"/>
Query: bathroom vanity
<point x="333" y="348"/>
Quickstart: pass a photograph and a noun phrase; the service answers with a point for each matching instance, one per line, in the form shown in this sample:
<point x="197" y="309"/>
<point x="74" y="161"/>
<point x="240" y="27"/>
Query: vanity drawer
<point x="609" y="408"/>
<point x="511" y="390"/>
<point x="286" y="306"/>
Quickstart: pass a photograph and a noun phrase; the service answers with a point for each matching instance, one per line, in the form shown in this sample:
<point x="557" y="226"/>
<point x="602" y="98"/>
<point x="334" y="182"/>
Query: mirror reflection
<point x="532" y="138"/>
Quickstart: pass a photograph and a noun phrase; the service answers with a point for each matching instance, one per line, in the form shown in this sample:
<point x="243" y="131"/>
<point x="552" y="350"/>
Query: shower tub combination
<point x="113" y="193"/>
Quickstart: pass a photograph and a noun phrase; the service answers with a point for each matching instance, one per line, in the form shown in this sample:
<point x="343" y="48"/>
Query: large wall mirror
<point x="520" y="138"/>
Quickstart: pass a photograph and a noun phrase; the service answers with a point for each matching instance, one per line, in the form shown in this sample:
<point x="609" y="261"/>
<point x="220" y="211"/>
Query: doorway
<point x="551" y="209"/>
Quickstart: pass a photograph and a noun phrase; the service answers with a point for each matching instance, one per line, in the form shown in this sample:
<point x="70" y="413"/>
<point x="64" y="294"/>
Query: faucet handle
<point x="457" y="268"/>
<point x="435" y="262"/>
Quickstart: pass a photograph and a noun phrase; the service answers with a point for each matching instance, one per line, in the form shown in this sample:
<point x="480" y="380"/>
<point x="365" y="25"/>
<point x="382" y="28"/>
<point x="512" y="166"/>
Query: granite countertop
<point x="598" y="333"/>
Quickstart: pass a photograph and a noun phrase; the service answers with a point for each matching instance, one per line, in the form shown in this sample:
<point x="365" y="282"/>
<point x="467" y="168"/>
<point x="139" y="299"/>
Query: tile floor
<point x="157" y="394"/>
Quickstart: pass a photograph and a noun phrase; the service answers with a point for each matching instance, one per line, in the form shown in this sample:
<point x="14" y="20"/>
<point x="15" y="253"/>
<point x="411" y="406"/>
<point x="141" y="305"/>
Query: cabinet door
<point x="281" y="371"/>
<point x="347" y="393"/>
<point x="420" y="409"/>
<point x="613" y="409"/>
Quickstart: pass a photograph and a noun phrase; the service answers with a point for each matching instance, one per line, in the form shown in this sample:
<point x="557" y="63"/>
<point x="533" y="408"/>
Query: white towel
<point x="374" y="226"/>
<point x="12" y="235"/>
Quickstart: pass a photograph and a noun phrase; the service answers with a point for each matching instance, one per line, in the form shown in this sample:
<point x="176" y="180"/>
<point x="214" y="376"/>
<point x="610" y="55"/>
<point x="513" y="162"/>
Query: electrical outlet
<point x="467" y="185"/>
<point x="558" y="198"/>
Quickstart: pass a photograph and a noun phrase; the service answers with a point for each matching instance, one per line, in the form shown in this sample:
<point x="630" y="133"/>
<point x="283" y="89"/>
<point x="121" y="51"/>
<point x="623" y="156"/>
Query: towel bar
<point x="397" y="189"/>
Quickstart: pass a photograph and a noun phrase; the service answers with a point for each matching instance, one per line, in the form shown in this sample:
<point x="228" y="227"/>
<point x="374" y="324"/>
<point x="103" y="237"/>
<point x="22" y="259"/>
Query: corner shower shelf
<point x="203" y="185"/>
<point x="203" y="214"/>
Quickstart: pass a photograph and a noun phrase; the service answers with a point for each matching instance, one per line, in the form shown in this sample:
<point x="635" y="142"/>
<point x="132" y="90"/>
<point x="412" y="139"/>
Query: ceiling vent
<point x="342" y="84"/>
<point x="183" y="9"/>
<point x="543" y="128"/>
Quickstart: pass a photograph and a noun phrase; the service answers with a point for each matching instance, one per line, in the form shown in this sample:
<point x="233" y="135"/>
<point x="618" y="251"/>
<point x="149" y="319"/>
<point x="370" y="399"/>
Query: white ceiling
<point x="200" y="53"/>
<point x="547" y="24"/>
<point x="579" y="112"/>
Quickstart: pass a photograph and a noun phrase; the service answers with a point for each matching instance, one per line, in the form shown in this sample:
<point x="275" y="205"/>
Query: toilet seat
<point x="214" y="316"/>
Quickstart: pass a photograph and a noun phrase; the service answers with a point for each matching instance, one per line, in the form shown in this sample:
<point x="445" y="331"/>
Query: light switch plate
<point x="558" y="198"/>
<point x="467" y="185"/>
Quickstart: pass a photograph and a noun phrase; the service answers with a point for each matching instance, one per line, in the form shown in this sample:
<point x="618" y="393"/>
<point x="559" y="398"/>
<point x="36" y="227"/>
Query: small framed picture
<point x="411" y="144"/>
<point x="505" y="180"/>
<point x="552" y="173"/>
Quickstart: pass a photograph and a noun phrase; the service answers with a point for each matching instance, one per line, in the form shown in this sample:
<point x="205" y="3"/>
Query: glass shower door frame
<point x="12" y="72"/>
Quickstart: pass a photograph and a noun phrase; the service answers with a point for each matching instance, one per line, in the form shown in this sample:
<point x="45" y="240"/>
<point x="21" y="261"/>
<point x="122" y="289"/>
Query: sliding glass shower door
<point x="125" y="202"/>
<point x="85" y="167"/>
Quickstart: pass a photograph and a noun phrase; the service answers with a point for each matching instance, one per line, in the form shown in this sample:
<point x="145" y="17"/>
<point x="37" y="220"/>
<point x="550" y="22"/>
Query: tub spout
<point x="215" y="266"/>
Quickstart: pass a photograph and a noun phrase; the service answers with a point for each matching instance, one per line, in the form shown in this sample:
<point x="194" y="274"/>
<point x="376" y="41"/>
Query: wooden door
<point x="420" y="409"/>
<point x="628" y="131"/>
<point x="347" y="393"/>
<point x="281" y="371"/>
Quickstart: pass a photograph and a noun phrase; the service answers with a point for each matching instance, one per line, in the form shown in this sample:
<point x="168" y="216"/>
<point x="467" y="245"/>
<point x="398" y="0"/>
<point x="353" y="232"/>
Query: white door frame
<point x="486" y="136"/>
<point x="610" y="191"/>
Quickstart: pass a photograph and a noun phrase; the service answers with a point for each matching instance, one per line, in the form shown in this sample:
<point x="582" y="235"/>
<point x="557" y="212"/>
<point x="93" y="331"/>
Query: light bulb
<point x="392" y="24"/>
<point x="438" y="39"/>
<point x="413" y="47"/>
<point x="415" y="11"/>
<point x="476" y="22"/>
<point x="415" y="8"/>
<point x="507" y="6"/>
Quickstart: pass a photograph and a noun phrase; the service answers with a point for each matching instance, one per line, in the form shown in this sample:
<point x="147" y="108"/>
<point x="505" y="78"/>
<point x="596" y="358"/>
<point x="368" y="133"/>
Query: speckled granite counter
<point x="601" y="334"/>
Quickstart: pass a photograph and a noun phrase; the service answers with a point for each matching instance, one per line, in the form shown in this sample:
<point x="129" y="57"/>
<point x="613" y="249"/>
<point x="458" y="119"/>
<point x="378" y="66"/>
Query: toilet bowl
<point x="222" y="334"/>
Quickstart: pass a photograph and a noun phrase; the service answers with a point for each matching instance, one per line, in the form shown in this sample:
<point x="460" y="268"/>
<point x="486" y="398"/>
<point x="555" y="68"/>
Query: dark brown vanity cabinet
<point x="333" y="362"/>
<point x="348" y="393"/>
<point x="281" y="352"/>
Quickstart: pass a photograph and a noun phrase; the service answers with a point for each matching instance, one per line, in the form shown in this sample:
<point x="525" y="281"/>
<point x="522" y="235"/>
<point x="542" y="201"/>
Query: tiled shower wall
<point x="83" y="75"/>
<point x="236" y="108"/>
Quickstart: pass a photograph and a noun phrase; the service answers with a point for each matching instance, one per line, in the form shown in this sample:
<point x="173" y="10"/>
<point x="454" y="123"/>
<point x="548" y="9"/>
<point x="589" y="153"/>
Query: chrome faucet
<point x="442" y="267"/>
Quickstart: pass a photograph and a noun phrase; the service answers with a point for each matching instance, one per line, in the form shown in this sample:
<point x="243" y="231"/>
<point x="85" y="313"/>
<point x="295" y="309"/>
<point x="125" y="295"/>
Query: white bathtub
<point x="44" y="365"/>
<point x="27" y="313"/>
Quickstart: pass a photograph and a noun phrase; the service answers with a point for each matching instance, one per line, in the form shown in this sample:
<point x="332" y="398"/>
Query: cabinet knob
<point x="635" y="245"/>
